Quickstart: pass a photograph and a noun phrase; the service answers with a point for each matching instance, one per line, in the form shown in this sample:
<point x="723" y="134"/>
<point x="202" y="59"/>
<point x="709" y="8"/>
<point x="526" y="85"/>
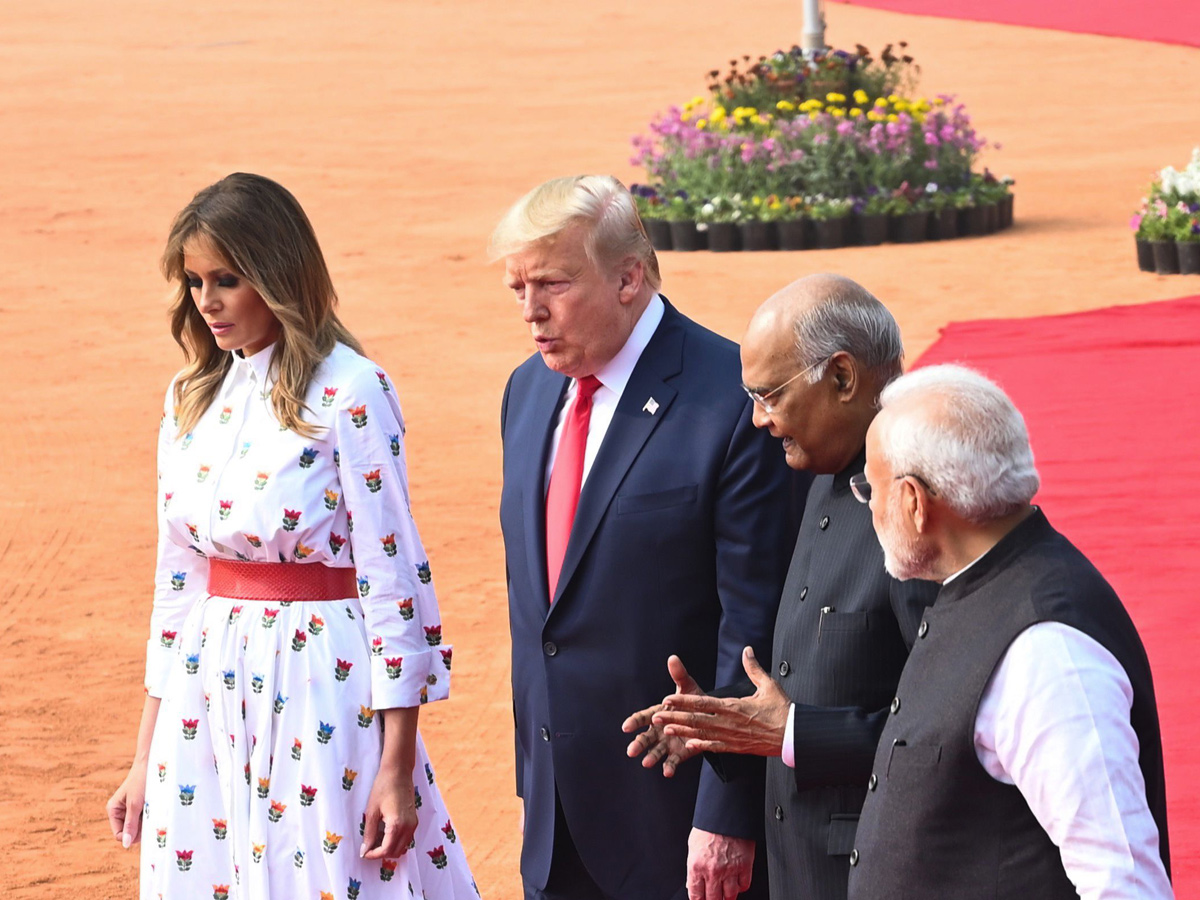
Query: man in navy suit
<point x="643" y="515"/>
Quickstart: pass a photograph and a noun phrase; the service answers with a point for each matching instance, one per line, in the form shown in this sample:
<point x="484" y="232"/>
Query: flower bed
<point x="794" y="152"/>
<point x="1167" y="227"/>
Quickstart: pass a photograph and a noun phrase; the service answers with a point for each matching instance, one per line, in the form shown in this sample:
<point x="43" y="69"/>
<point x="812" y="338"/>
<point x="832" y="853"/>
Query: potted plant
<point x="651" y="208"/>
<point x="943" y="217"/>
<point x="830" y="219"/>
<point x="1005" y="203"/>
<point x="720" y="216"/>
<point x="793" y="224"/>
<point x="758" y="227"/>
<point x="972" y="220"/>
<point x="1141" y="237"/>
<point x="908" y="218"/>
<point x="681" y="215"/>
<point x="1157" y="228"/>
<point x="870" y="223"/>
<point x="1187" y="243"/>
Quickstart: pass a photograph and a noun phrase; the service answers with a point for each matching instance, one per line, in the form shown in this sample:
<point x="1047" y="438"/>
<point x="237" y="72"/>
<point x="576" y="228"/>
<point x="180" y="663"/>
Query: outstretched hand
<point x="657" y="746"/>
<point x="753" y="725"/>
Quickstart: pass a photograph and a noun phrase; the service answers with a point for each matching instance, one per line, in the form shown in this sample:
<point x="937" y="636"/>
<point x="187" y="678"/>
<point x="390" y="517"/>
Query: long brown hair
<point x="262" y="234"/>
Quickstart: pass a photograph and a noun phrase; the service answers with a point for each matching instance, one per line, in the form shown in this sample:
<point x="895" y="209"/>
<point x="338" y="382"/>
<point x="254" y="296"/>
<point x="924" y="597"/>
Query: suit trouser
<point x="569" y="878"/>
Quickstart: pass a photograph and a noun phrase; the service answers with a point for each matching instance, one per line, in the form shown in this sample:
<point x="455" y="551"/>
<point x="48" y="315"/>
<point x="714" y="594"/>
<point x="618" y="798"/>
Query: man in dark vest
<point x="814" y="359"/>
<point x="1022" y="757"/>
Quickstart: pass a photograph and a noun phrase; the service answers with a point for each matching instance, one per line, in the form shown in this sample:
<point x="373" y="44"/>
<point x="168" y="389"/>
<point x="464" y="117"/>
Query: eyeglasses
<point x="761" y="399"/>
<point x="861" y="488"/>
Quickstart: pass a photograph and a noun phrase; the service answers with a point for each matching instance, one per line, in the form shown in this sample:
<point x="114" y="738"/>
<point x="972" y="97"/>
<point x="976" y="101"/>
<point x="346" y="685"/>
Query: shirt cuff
<point x="159" y="659"/>
<point x="410" y="679"/>
<point x="789" y="739"/>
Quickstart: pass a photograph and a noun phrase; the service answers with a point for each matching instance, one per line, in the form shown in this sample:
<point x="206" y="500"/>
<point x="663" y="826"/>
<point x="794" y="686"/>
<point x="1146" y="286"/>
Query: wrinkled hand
<point x="719" y="867"/>
<point x="653" y="742"/>
<point x="124" y="807"/>
<point x="755" y="725"/>
<point x="391" y="816"/>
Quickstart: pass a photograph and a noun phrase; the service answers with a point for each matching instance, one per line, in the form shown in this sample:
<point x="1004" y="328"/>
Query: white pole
<point x="812" y="38"/>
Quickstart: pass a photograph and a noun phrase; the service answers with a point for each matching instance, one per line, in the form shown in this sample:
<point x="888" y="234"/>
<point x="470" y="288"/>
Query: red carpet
<point x="1166" y="21"/>
<point x="1112" y="402"/>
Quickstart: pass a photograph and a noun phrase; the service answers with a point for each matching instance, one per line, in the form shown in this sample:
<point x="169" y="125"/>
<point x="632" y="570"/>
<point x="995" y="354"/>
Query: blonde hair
<point x="600" y="202"/>
<point x="260" y="232"/>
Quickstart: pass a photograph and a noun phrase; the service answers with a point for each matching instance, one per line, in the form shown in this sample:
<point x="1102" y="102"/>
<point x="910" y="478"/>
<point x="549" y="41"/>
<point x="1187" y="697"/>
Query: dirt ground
<point x="405" y="129"/>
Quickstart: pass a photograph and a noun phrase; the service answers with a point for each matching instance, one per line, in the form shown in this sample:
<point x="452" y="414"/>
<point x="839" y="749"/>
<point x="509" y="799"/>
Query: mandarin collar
<point x="841" y="481"/>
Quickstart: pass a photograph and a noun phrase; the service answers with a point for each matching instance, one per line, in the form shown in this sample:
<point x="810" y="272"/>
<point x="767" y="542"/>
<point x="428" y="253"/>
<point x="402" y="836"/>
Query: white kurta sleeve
<point x="409" y="663"/>
<point x="180" y="573"/>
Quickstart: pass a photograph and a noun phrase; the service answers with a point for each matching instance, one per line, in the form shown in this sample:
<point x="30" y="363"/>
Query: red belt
<point x="279" y="581"/>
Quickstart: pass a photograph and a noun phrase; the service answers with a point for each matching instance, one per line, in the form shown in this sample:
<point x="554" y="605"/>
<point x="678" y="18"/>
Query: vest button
<point x="550" y="648"/>
<point x="804" y="592"/>
<point x="854" y="857"/>
<point x="924" y="629"/>
<point x="784" y="668"/>
<point x="779" y="813"/>
<point x="895" y="705"/>
<point x="824" y="522"/>
<point x="545" y="733"/>
<point x="873" y="783"/>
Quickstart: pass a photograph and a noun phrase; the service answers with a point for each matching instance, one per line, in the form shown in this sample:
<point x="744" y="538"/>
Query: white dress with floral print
<point x="268" y="740"/>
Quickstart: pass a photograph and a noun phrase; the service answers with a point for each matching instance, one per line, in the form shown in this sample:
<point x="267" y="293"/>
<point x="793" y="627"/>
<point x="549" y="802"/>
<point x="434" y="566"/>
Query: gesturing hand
<point x="391" y="816"/>
<point x="755" y="725"/>
<point x="719" y="867"/>
<point x="653" y="742"/>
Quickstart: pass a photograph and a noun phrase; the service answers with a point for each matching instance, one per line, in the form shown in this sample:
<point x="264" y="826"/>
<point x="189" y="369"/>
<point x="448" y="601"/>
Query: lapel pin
<point x="651" y="406"/>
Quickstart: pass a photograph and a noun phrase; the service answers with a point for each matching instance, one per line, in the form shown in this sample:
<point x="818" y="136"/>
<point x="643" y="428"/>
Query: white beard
<point x="904" y="557"/>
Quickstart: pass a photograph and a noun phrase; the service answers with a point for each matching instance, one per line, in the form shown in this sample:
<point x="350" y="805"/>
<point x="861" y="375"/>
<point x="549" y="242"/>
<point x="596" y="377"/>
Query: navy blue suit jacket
<point x="680" y="545"/>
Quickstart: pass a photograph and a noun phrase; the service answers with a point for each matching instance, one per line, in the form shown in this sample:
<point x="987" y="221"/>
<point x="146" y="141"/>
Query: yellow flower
<point x="880" y="101"/>
<point x="701" y="123"/>
<point x="893" y="98"/>
<point x="837" y="112"/>
<point x="836" y="98"/>
<point x="860" y="97"/>
<point x="775" y="204"/>
<point x="810" y="105"/>
<point x="876" y="116"/>
<point x="759" y="120"/>
<point x="685" y="115"/>
<point x="939" y="102"/>
<point x="812" y="115"/>
<point x="718" y="114"/>
<point x="855" y="113"/>
<point x="785" y="106"/>
<point x="892" y="117"/>
<point x="901" y="106"/>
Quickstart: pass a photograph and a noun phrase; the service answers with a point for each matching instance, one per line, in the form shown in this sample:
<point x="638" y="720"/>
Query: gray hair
<point x="849" y="318"/>
<point x="974" y="450"/>
<point x="614" y="228"/>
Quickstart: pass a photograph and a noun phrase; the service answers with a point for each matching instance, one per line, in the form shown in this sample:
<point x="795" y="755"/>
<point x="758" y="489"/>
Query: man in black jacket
<point x="814" y="359"/>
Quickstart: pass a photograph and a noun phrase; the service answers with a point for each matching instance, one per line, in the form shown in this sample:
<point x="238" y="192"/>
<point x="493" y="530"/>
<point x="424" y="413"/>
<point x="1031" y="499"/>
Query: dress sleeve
<point x="409" y="663"/>
<point x="180" y="573"/>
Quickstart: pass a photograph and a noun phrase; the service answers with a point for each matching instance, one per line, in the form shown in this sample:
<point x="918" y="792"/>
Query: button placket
<point x="243" y="391"/>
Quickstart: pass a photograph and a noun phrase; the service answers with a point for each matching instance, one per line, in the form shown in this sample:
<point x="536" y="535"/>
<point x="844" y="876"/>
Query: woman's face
<point x="238" y="316"/>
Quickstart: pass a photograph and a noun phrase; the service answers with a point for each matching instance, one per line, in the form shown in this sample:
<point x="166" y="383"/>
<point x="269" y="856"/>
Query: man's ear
<point x="633" y="275"/>
<point x="846" y="376"/>
<point x="916" y="501"/>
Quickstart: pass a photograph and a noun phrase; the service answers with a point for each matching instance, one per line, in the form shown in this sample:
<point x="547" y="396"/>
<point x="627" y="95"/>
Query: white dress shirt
<point x="613" y="377"/>
<point x="1054" y="722"/>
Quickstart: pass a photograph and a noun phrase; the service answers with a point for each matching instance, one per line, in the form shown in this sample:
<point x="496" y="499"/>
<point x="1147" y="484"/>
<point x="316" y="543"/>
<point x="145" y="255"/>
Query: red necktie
<point x="566" y="479"/>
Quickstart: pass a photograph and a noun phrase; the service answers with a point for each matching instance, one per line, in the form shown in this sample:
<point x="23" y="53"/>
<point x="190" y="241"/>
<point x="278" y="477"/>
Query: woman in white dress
<point x="295" y="631"/>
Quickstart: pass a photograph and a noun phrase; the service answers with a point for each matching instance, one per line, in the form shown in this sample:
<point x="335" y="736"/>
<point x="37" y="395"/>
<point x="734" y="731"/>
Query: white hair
<point x="848" y="318"/>
<point x="970" y="444"/>
<point x="600" y="202"/>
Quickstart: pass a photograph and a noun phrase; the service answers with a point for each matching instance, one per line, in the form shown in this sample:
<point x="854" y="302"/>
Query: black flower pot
<point x="684" y="236"/>
<point x="908" y="228"/>
<point x="1145" y="255"/>
<point x="993" y="217"/>
<point x="1189" y="257"/>
<point x="943" y="225"/>
<point x="724" y="237"/>
<point x="830" y="233"/>
<point x="793" y="234"/>
<point x="1006" y="211"/>
<point x="1166" y="257"/>
<point x="759" y="236"/>
<point x="972" y="221"/>
<point x="869" y="230"/>
<point x="659" y="231"/>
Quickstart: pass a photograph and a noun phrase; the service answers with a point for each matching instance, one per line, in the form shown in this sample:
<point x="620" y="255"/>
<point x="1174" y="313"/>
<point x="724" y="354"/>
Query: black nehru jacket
<point x="936" y="824"/>
<point x="842" y="635"/>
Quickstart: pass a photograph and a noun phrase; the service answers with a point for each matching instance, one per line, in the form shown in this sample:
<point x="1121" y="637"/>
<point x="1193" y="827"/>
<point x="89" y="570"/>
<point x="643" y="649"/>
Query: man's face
<point x="574" y="309"/>
<point x="906" y="554"/>
<point x="805" y="416"/>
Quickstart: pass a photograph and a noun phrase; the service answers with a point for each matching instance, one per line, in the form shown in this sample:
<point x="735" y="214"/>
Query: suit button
<point x="784" y="668"/>
<point x="779" y="813"/>
<point x="804" y="592"/>
<point x="924" y="629"/>
<point x="824" y="522"/>
<point x="873" y="783"/>
<point x="895" y="705"/>
<point x="854" y="857"/>
<point x="549" y="648"/>
<point x="545" y="733"/>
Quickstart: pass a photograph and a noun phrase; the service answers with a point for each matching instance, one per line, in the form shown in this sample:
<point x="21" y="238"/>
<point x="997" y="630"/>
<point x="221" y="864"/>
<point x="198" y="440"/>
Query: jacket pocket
<point x="912" y="759"/>
<point x="842" y="828"/>
<point x="844" y="621"/>
<point x="636" y="503"/>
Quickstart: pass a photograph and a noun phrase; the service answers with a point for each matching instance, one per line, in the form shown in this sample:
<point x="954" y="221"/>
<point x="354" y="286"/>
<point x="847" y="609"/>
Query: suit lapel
<point x="631" y="427"/>
<point x="546" y="397"/>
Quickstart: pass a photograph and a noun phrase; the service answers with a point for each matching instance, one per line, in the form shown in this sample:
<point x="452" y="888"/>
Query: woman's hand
<point x="125" y="807"/>
<point x="391" y="814"/>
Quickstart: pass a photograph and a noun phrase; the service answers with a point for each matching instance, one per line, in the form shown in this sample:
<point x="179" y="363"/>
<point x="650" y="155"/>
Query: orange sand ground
<point x="405" y="129"/>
